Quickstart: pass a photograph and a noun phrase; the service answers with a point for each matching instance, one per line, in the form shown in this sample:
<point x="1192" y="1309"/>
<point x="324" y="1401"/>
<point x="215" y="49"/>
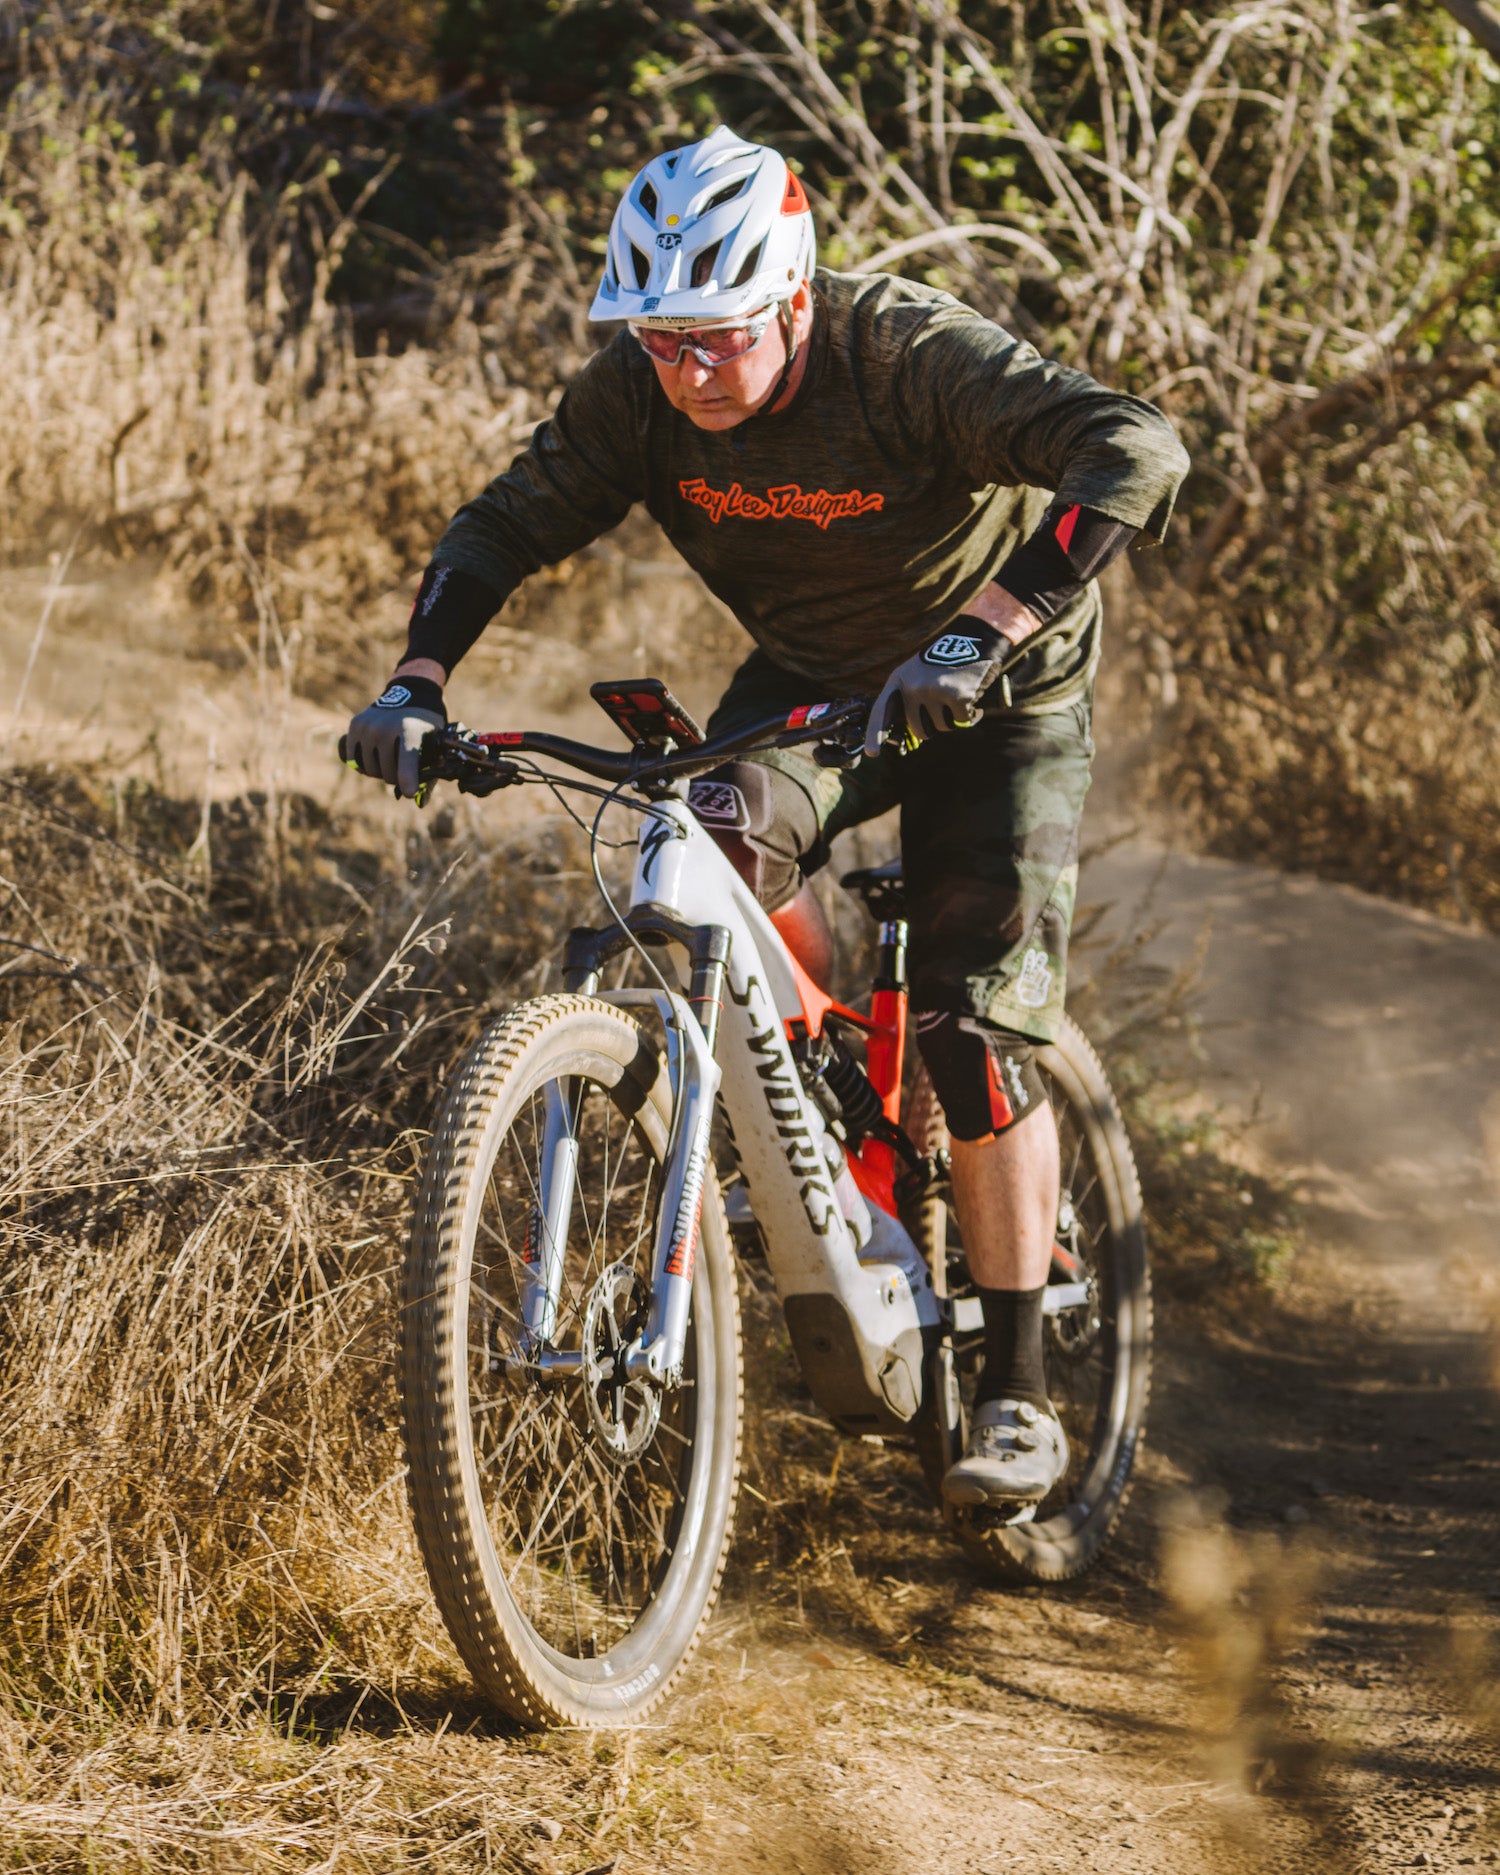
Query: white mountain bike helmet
<point x="716" y="230"/>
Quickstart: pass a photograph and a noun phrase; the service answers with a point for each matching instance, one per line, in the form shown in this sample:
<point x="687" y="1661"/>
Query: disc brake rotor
<point x="1074" y="1331"/>
<point x="623" y="1411"/>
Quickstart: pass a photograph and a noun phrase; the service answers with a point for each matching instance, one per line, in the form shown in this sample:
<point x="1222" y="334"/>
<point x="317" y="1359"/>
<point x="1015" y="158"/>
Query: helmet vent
<point x="642" y="267"/>
<point x="703" y="264"/>
<point x="727" y="194"/>
<point x="647" y="200"/>
<point x="748" y="271"/>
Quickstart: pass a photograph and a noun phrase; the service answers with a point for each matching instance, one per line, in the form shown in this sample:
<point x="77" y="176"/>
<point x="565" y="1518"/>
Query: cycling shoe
<point x="1016" y="1454"/>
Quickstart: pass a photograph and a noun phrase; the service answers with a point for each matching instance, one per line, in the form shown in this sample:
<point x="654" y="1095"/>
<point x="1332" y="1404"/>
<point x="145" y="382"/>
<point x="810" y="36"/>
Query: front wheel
<point x="1098" y="1350"/>
<point x="574" y="1525"/>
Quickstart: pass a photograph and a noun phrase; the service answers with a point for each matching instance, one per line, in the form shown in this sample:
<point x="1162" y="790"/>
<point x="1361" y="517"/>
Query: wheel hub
<point x="624" y="1410"/>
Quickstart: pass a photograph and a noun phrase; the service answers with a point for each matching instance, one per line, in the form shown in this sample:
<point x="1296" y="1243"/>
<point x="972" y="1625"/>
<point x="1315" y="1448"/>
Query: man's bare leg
<point x="1005" y="1189"/>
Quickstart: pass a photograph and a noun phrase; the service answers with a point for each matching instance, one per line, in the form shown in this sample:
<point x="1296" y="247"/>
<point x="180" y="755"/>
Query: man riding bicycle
<point x="899" y="500"/>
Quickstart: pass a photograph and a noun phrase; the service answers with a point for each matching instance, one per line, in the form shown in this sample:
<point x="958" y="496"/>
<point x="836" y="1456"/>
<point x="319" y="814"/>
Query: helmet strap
<point x="788" y="324"/>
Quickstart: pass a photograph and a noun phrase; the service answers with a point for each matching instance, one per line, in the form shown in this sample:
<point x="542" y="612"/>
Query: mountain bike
<point x="570" y="1337"/>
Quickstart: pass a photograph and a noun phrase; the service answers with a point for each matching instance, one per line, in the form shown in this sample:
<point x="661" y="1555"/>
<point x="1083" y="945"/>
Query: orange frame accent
<point x="874" y="1166"/>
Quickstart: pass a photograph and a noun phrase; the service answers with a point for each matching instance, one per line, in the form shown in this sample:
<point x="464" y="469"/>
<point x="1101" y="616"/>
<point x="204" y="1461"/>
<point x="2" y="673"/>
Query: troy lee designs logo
<point x="788" y="503"/>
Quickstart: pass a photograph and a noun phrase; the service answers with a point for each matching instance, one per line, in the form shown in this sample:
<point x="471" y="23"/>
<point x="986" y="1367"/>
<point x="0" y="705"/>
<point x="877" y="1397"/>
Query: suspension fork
<point x="696" y="1075"/>
<point x="691" y="1031"/>
<point x="552" y="1215"/>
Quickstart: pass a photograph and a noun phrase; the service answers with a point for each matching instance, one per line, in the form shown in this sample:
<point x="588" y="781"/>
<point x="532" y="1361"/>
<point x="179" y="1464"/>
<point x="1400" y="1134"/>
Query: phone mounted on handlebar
<point x="647" y="713"/>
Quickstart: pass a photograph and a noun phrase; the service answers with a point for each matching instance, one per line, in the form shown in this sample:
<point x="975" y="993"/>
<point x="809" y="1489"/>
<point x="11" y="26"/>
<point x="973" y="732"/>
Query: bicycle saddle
<point x="881" y="887"/>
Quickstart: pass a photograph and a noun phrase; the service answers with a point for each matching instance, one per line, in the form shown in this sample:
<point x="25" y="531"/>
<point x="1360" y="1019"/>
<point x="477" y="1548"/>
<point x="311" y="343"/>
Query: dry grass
<point x="209" y="1110"/>
<point x="180" y="381"/>
<point x="217" y="1644"/>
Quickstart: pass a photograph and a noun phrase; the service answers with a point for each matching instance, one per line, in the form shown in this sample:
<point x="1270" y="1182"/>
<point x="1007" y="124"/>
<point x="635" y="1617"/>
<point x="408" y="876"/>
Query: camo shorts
<point x="989" y="838"/>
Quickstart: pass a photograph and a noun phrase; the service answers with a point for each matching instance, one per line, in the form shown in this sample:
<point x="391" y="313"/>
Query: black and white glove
<point x="939" y="687"/>
<point x="385" y="740"/>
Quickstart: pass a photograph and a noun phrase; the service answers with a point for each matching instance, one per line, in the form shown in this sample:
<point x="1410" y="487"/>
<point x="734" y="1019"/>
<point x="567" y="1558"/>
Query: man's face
<point x="718" y="397"/>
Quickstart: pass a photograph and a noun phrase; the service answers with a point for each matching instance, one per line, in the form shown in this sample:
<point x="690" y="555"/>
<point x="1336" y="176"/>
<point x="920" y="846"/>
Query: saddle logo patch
<point x="952" y="648"/>
<point x="719" y="804"/>
<point x="790" y="502"/>
<point x="1034" y="985"/>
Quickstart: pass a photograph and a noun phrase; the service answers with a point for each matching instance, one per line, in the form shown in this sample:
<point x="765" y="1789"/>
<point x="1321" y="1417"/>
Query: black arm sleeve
<point x="451" y="610"/>
<point x="1072" y="546"/>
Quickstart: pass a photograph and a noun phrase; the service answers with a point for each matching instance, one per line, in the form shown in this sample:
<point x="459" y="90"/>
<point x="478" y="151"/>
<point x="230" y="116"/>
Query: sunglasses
<point x="710" y="345"/>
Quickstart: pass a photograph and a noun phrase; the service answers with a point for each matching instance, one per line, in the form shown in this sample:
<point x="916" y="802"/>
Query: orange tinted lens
<point x="714" y="345"/>
<point x="665" y="346"/>
<point x="721" y="343"/>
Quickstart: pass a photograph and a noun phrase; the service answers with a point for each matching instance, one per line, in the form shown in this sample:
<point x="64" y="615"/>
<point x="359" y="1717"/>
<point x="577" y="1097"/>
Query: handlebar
<point x="483" y="763"/>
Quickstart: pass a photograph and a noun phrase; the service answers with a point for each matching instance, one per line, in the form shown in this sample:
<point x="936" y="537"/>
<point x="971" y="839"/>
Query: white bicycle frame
<point x="857" y="1294"/>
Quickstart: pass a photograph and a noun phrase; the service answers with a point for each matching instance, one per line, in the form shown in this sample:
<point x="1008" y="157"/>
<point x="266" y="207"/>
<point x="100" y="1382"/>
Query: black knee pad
<point x="763" y="821"/>
<point x="987" y="1079"/>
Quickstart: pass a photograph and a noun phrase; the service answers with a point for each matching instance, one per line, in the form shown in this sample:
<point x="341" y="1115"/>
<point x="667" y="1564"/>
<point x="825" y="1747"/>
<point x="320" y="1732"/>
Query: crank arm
<point x="966" y="1317"/>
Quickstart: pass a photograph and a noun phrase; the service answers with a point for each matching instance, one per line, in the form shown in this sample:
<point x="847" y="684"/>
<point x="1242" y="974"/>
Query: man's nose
<point x="695" y="374"/>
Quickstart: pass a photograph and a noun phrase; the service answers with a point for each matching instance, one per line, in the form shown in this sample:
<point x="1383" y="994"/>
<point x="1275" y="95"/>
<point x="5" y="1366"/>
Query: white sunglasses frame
<point x="685" y="344"/>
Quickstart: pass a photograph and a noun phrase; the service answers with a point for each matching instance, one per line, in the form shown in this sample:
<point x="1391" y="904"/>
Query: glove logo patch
<point x="393" y="698"/>
<point x="952" y="648"/>
<point x="719" y="804"/>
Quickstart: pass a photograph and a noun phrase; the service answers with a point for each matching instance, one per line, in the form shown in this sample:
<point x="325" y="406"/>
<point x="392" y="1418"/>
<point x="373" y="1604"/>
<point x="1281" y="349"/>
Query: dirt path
<point x="1341" y="1444"/>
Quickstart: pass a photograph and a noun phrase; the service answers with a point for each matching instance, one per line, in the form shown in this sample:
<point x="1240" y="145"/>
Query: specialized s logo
<point x="658" y="832"/>
<point x="787" y="503"/>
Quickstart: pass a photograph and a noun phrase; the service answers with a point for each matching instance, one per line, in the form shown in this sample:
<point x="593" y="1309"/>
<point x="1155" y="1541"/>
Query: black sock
<point x="1013" y="1368"/>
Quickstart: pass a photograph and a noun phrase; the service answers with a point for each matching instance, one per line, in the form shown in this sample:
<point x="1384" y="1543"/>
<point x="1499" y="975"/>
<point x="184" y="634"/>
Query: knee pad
<point x="986" y="1079"/>
<point x="762" y="821"/>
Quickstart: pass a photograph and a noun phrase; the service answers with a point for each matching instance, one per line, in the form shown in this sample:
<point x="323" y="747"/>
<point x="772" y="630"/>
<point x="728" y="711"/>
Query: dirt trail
<point x="1355" y="1421"/>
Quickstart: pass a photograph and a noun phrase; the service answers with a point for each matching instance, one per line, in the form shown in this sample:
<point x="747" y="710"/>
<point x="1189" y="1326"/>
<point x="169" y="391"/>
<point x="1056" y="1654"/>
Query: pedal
<point x="984" y="1517"/>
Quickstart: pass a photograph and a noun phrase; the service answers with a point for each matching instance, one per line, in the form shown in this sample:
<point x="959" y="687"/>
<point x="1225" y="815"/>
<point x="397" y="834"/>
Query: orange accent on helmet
<point x="794" y="202"/>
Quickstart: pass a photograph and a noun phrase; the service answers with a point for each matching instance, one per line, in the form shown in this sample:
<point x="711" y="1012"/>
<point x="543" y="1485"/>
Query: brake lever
<point x="460" y="756"/>
<point x="838" y="754"/>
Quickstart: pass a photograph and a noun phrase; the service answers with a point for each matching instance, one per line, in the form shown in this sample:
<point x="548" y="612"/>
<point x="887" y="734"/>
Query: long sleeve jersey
<point x="845" y="531"/>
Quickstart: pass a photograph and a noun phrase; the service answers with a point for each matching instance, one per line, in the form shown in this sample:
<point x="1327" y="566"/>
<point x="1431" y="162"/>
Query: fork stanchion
<point x="710" y="962"/>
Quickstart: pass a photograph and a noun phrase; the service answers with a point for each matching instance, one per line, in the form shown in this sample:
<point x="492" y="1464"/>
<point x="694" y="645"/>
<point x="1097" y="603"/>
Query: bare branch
<point x="1479" y="22"/>
<point x="964" y="231"/>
